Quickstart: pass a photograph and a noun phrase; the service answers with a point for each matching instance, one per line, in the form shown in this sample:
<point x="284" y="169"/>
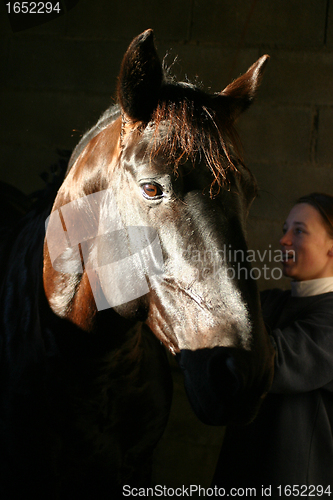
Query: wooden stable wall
<point x="57" y="78"/>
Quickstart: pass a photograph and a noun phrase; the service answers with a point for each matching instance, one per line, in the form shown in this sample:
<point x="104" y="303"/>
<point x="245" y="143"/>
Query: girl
<point x="288" y="450"/>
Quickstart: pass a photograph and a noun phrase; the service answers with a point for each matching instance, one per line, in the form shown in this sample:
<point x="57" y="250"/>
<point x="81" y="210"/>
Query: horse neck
<point x="70" y="295"/>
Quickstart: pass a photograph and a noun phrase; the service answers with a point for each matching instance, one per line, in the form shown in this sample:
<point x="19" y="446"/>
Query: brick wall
<point x="57" y="78"/>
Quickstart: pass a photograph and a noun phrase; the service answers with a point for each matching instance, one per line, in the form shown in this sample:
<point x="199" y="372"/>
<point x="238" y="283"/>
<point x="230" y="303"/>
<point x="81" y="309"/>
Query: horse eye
<point x="151" y="190"/>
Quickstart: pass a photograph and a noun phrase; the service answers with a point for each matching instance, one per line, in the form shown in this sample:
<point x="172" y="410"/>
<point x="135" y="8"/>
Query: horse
<point x="125" y="263"/>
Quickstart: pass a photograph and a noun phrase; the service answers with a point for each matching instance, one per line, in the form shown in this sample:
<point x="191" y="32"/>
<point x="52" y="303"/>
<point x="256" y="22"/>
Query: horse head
<point x="154" y="205"/>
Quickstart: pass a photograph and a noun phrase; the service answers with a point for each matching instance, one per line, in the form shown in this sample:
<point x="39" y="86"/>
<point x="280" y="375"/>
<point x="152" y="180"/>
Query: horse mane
<point x="108" y="117"/>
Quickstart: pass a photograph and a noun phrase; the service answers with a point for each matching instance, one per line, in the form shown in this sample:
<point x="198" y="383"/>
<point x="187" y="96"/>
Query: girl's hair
<point x="323" y="203"/>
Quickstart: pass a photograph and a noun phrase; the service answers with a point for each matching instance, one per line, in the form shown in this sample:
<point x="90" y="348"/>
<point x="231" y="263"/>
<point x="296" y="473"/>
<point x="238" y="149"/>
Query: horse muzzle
<point x="221" y="385"/>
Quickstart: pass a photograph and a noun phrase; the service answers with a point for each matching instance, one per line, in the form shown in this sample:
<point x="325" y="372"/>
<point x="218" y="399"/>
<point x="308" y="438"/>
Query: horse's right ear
<point x="140" y="78"/>
<point x="241" y="92"/>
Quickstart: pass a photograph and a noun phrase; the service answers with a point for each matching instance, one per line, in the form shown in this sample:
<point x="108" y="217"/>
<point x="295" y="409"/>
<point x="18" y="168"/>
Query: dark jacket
<point x="291" y="440"/>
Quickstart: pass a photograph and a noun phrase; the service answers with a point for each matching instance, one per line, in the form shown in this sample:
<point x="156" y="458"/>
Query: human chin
<point x="288" y="264"/>
<point x="289" y="270"/>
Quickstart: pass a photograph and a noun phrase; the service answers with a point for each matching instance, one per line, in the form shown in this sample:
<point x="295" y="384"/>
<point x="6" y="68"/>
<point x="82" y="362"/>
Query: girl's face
<point x="306" y="245"/>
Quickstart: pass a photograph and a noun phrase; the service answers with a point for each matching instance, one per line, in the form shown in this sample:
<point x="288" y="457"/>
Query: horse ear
<point x="242" y="91"/>
<point x="140" y="78"/>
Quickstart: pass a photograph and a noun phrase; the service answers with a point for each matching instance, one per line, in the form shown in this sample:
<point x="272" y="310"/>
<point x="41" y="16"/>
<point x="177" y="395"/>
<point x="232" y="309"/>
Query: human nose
<point x="286" y="239"/>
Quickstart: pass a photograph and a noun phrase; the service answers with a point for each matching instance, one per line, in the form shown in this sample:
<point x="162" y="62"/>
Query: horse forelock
<point x="189" y="125"/>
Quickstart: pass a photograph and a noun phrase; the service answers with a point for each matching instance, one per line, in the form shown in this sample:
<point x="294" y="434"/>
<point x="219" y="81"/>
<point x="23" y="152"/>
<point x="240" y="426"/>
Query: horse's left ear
<point x="140" y="78"/>
<point x="241" y="92"/>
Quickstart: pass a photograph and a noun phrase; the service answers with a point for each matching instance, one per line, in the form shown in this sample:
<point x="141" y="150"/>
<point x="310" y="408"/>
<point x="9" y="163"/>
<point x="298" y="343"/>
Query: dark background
<point x="58" y="77"/>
